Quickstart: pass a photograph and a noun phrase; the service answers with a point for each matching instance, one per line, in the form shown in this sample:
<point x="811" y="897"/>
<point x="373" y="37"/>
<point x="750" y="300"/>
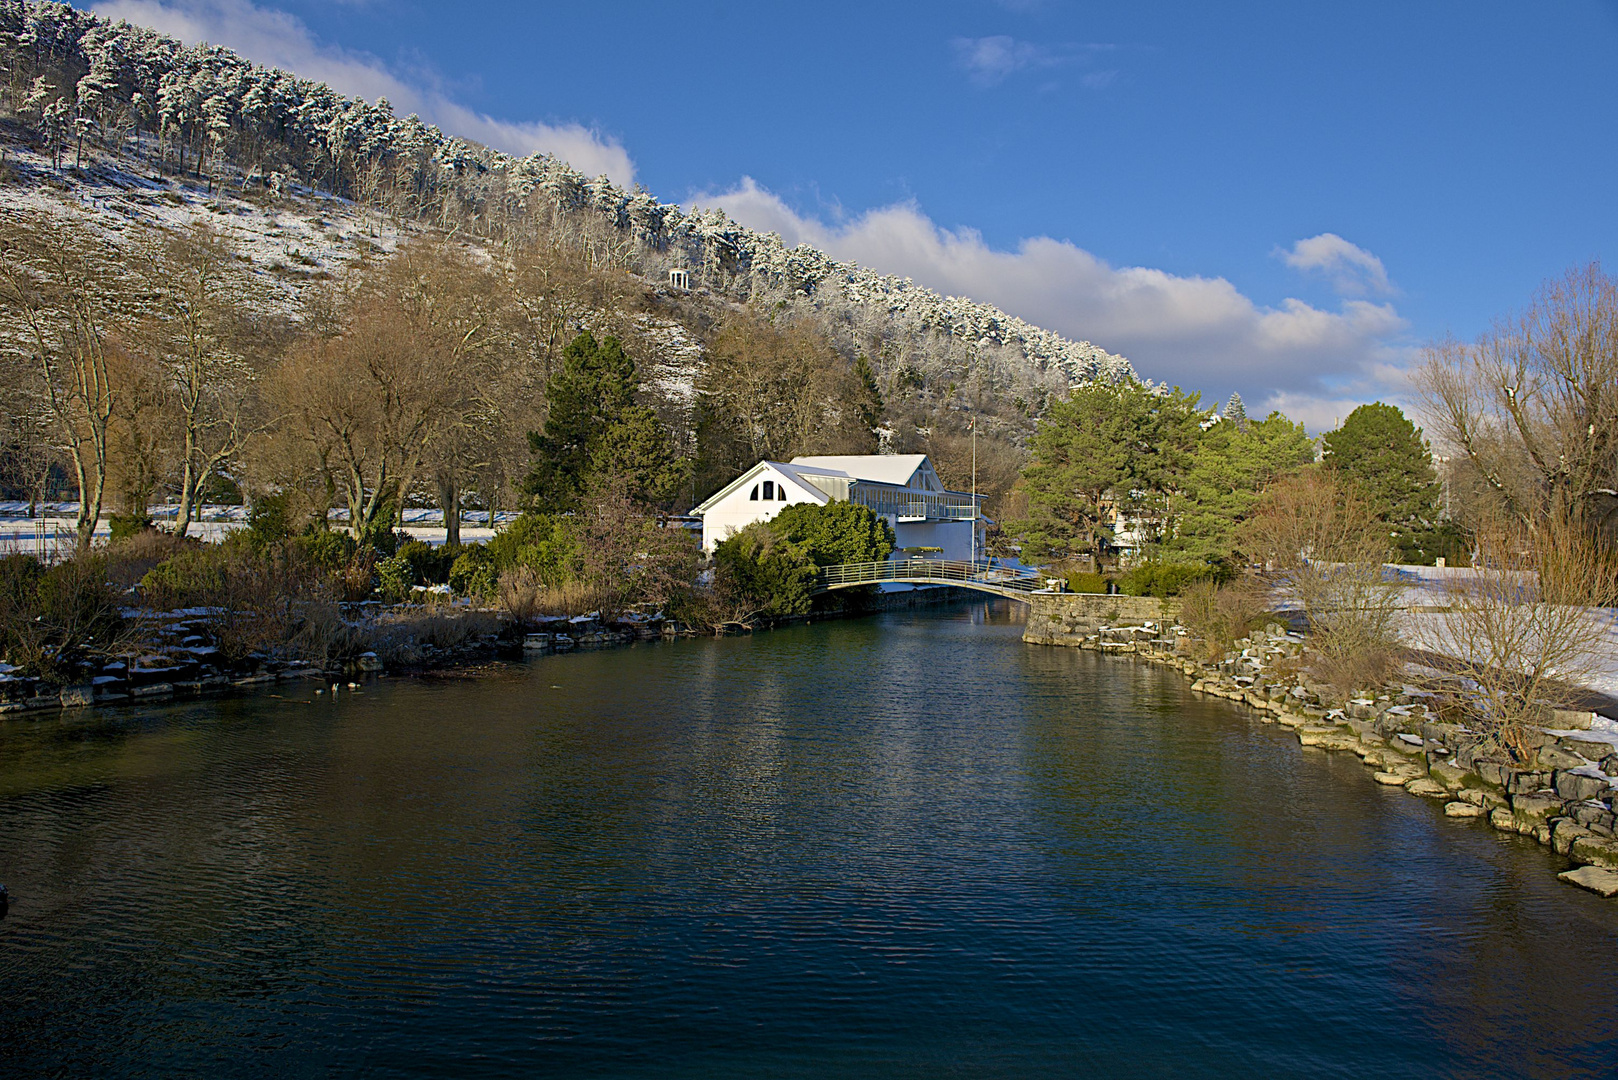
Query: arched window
<point x="780" y="493"/>
<point x="754" y="496"/>
<point x="769" y="490"/>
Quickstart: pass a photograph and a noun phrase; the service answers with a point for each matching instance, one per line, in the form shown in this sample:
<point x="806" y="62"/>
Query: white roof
<point x="896" y="469"/>
<point x="779" y="469"/>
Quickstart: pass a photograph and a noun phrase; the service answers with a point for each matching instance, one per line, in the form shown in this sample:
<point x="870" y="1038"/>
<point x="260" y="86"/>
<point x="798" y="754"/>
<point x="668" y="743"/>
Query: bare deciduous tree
<point x="1524" y="628"/>
<point x="1530" y="412"/>
<point x="375" y="402"/>
<point x="52" y="281"/>
<point x="210" y="381"/>
<point x="1324" y="544"/>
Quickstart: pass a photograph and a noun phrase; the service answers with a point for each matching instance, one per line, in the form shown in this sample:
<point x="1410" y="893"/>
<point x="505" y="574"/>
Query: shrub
<point x="1218" y="615"/>
<point x="50" y="618"/>
<point x="429" y="565"/>
<point x="328" y="549"/>
<point x="474" y="573"/>
<point x="520" y="592"/>
<point x="269" y="519"/>
<point x="192" y="578"/>
<point x="541" y="542"/>
<point x="276" y="603"/>
<point x="131" y="559"/>
<point x="836" y="533"/>
<point x="395" y="577"/>
<point x="1167" y="579"/>
<point x="759" y="570"/>
<point x="125" y="526"/>
<point x="1081" y="581"/>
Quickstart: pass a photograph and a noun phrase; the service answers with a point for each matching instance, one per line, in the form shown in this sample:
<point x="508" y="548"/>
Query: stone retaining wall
<point x="1068" y="618"/>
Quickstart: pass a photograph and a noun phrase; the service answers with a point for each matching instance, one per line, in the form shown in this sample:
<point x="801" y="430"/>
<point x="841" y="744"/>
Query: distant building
<point x="680" y="279"/>
<point x="927" y="520"/>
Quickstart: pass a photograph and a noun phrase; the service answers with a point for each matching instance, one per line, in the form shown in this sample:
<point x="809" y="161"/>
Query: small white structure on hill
<point x="928" y="521"/>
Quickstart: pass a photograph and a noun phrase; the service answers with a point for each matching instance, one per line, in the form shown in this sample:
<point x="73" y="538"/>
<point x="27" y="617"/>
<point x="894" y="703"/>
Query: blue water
<point x="902" y="846"/>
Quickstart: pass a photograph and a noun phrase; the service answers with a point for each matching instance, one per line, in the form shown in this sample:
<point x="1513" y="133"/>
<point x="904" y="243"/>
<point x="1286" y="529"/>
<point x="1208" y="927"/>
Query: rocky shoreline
<point x="180" y="656"/>
<point x="1565" y="798"/>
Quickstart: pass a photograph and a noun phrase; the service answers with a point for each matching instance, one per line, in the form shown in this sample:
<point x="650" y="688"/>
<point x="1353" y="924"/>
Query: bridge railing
<point x="944" y="571"/>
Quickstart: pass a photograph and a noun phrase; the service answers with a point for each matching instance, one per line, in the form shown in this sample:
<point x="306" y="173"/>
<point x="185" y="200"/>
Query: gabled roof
<point x="747" y="477"/>
<point x="896" y="469"/>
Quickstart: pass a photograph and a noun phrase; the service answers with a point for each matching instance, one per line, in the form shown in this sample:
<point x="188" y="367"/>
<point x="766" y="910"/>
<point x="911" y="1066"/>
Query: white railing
<point x="982" y="576"/>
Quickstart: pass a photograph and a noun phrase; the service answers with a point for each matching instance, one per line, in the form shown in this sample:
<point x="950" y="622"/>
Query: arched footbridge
<point x="981" y="576"/>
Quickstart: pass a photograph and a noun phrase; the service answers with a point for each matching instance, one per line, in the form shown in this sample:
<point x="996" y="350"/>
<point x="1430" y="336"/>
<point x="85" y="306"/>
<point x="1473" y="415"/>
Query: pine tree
<point x="1382" y="453"/>
<point x="1236" y="411"/>
<point x="594" y="430"/>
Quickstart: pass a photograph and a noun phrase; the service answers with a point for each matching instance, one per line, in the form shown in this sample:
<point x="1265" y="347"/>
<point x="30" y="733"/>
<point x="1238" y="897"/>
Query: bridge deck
<point x="980" y="576"/>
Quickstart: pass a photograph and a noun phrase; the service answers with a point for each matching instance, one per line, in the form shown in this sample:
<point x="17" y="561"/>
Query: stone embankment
<point x="1562" y="796"/>
<point x="1074" y="618"/>
<point x="178" y="655"/>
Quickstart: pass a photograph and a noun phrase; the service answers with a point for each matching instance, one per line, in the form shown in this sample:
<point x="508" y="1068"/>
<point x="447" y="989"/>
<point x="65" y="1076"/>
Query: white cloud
<point x="1198" y="332"/>
<point x="989" y="61"/>
<point x="1353" y="270"/>
<point x="278" y="39"/>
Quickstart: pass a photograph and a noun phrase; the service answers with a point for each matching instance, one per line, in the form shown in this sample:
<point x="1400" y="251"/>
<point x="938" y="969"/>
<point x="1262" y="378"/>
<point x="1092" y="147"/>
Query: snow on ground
<point x="51" y="534"/>
<point x="288" y="243"/>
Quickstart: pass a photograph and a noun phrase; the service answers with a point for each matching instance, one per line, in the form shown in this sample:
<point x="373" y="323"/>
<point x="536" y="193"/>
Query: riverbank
<point x="1565" y="799"/>
<point x="177" y="654"/>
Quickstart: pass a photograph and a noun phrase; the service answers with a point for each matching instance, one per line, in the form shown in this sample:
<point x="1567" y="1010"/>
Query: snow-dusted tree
<point x="1236" y="411"/>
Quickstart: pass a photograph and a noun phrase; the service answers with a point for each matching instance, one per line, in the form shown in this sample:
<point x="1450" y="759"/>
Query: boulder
<point x="1501" y="819"/>
<point x="1596" y="850"/>
<point x="1579" y="786"/>
<point x="1462" y="810"/>
<point x="1527" y="781"/>
<point x="1447" y="773"/>
<point x="1391" y="779"/>
<point x="77" y="697"/>
<point x="1528" y="812"/>
<point x="1586" y="748"/>
<point x="1554" y="757"/>
<point x="1599" y="881"/>
<point x="1572" y="719"/>
<point x="1564" y="832"/>
<point x="1427" y="789"/>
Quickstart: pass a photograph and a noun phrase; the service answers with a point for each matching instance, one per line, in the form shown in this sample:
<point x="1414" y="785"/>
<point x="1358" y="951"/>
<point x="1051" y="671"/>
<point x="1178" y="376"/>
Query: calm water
<point x="902" y="846"/>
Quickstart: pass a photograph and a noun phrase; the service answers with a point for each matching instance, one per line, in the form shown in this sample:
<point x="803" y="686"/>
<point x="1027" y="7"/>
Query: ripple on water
<point x="901" y="846"/>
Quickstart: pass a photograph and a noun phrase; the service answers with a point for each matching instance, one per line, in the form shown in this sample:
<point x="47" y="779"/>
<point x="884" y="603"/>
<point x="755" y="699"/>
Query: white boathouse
<point x="927" y="520"/>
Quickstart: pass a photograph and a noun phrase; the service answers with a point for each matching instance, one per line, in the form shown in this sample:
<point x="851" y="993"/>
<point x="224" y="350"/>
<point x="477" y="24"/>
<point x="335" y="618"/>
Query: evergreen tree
<point x="868" y="396"/>
<point x="594" y="429"/>
<point x="836" y="533"/>
<point x="1383" y="454"/>
<point x="1236" y="411"/>
<point x="1228" y="468"/>
<point x="1105" y="446"/>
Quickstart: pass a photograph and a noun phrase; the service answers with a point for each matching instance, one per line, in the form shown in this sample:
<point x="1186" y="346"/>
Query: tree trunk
<point x="188" y="484"/>
<point x="449" y="497"/>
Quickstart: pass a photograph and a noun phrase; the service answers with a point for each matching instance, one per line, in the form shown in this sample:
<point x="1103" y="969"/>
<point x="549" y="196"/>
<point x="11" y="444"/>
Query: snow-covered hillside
<point x="158" y="107"/>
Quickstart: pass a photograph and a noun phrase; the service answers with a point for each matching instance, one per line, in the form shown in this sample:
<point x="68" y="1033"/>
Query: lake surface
<point x="907" y="845"/>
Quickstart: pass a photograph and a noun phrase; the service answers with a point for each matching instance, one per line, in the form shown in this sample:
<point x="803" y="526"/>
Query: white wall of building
<point x="738" y="509"/>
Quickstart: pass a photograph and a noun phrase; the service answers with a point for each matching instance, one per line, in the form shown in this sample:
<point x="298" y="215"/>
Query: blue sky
<point x="1281" y="199"/>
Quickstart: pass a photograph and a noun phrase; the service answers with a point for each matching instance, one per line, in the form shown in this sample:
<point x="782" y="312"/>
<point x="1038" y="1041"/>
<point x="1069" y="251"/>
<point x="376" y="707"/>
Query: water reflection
<point x="897" y="846"/>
